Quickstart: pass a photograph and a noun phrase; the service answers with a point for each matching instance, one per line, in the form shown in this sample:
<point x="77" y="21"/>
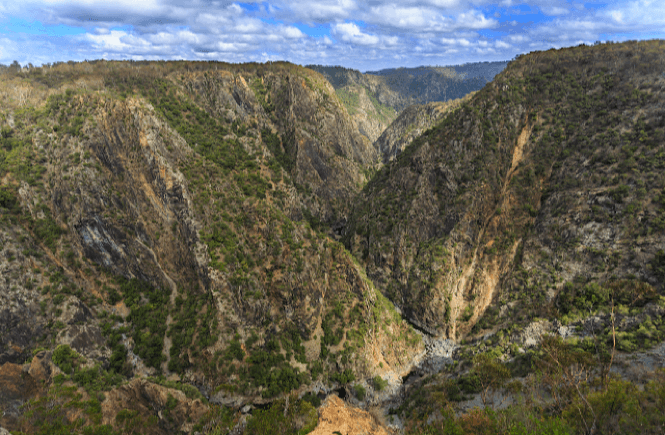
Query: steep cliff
<point x="546" y="180"/>
<point x="152" y="226"/>
<point x="411" y="123"/>
<point x="165" y="264"/>
<point x="402" y="87"/>
<point x="374" y="99"/>
<point x="370" y="116"/>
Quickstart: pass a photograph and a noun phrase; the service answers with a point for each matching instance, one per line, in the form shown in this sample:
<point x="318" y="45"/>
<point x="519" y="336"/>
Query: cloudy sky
<point x="365" y="35"/>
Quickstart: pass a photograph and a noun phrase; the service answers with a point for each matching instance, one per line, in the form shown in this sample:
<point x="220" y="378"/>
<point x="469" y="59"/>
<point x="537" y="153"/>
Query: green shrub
<point x="118" y="359"/>
<point x="66" y="358"/>
<point x="313" y="399"/>
<point x="234" y="351"/>
<point x="8" y="199"/>
<point x="148" y="318"/>
<point x="95" y="379"/>
<point x="359" y="391"/>
<point x="46" y="230"/>
<point x="343" y="377"/>
<point x="379" y="383"/>
<point x="298" y="417"/>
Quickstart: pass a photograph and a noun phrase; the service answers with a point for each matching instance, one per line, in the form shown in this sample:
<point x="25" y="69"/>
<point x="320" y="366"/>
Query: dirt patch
<point x="518" y="153"/>
<point x="16" y="388"/>
<point x="16" y="384"/>
<point x="174" y="412"/>
<point x="336" y="415"/>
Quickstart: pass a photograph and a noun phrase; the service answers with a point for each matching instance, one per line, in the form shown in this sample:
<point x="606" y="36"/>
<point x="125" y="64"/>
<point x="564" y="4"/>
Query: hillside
<point x="527" y="228"/>
<point x="411" y="123"/>
<point x="401" y="87"/>
<point x="374" y="99"/>
<point x="536" y="184"/>
<point x="156" y="237"/>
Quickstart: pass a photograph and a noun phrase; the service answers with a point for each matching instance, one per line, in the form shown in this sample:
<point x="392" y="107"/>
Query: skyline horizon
<point x="305" y="65"/>
<point x="365" y="35"/>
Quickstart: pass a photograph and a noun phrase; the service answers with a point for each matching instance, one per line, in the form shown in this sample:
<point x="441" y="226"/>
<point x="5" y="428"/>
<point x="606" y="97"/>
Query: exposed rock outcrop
<point x="411" y="123"/>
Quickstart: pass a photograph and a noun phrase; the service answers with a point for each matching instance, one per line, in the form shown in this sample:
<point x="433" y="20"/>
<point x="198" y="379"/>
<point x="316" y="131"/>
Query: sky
<point x="364" y="35"/>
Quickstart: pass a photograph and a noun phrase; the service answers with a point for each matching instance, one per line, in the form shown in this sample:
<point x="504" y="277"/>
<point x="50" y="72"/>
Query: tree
<point x="491" y="374"/>
<point x="565" y="372"/>
<point x="15" y="67"/>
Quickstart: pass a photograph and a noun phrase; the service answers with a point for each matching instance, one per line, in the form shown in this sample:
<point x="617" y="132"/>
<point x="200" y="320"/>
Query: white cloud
<point x="407" y="18"/>
<point x="166" y="38"/>
<point x="375" y="33"/>
<point x="617" y="16"/>
<point x="110" y="41"/>
<point x="641" y="13"/>
<point x="292" y="32"/>
<point x="350" y="32"/>
<point x="475" y="21"/>
<point x="448" y="4"/>
<point x="554" y="10"/>
<point x="516" y="39"/>
<point x="320" y="11"/>
<point x="226" y="47"/>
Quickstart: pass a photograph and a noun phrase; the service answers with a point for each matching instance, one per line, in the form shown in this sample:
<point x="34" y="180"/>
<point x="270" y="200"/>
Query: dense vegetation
<point x="567" y="113"/>
<point x="571" y="390"/>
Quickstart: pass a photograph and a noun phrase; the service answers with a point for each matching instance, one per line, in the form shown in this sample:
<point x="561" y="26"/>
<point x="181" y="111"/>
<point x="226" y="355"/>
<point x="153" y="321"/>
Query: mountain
<point x="538" y="182"/>
<point x="487" y="70"/>
<point x="402" y="87"/>
<point x="162" y="252"/>
<point x="411" y="123"/>
<point x="374" y="99"/>
<point x="484" y="70"/>
<point x="525" y="231"/>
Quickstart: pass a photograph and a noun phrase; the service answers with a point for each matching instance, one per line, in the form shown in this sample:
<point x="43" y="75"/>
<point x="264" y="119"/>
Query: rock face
<point x="175" y="412"/>
<point x="411" y="123"/>
<point x="403" y="87"/>
<point x="546" y="176"/>
<point x="370" y="116"/>
<point x="17" y="388"/>
<point x="318" y="144"/>
<point x="335" y="415"/>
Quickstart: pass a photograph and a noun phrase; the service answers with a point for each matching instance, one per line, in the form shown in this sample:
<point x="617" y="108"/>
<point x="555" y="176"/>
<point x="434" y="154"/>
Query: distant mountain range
<point x="486" y="70"/>
<point x="402" y="87"/>
<point x="375" y="98"/>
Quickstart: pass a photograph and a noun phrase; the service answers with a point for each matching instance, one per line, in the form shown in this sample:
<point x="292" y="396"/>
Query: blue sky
<point x="366" y="35"/>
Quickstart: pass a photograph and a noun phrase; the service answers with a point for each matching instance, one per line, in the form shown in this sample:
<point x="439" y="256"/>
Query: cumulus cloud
<point x="292" y="32"/>
<point x="320" y="11"/>
<point x="554" y="10"/>
<point x="403" y="17"/>
<point x="648" y="14"/>
<point x="350" y="32"/>
<point x="475" y="21"/>
<point x="360" y="33"/>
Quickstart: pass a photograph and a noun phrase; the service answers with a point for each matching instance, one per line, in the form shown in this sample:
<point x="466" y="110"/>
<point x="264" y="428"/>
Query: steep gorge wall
<point x="148" y="225"/>
<point x="533" y="183"/>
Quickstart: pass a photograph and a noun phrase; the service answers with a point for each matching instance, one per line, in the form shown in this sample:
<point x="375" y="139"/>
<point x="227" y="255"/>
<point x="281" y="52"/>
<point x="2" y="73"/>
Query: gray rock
<point x="438" y="354"/>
